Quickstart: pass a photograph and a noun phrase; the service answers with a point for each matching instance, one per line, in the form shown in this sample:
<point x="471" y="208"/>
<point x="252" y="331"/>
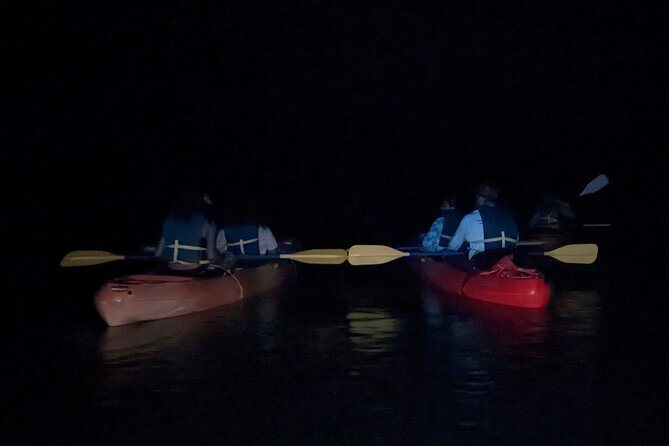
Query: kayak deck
<point x="505" y="284"/>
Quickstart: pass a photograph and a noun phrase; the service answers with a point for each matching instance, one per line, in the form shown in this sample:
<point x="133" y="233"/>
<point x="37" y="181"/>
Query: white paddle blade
<point x="595" y="185"/>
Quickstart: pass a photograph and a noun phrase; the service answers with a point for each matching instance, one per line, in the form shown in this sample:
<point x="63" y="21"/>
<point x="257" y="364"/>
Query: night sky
<point x="342" y="122"/>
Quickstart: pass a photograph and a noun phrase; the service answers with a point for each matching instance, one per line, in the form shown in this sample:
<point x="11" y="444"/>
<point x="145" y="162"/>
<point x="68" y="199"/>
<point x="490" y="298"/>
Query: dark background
<point x="340" y="123"/>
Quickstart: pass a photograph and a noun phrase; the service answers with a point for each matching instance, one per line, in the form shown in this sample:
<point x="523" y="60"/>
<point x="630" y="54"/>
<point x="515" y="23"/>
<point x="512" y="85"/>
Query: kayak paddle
<point x="584" y="253"/>
<point x="312" y="256"/>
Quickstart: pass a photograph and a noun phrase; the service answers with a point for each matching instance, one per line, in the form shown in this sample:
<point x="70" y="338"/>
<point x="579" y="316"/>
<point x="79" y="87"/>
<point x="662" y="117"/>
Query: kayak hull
<point x="515" y="287"/>
<point x="145" y="297"/>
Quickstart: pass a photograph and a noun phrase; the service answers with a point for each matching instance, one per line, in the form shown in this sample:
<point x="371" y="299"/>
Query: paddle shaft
<point x="312" y="256"/>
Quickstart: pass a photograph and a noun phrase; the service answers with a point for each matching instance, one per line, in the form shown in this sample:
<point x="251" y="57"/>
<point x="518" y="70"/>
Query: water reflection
<point x="581" y="312"/>
<point x="136" y="342"/>
<point x="372" y="330"/>
<point x="505" y="325"/>
<point x="474" y="346"/>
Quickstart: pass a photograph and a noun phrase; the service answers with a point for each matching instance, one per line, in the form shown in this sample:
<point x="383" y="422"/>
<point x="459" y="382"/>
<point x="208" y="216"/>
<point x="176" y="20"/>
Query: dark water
<point x="344" y="356"/>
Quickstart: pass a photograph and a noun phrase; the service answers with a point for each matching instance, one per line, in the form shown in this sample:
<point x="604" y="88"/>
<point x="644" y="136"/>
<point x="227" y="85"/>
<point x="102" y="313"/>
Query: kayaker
<point x="486" y="228"/>
<point x="188" y="241"/>
<point x="250" y="239"/>
<point x="245" y="236"/>
<point x="553" y="213"/>
<point x="443" y="228"/>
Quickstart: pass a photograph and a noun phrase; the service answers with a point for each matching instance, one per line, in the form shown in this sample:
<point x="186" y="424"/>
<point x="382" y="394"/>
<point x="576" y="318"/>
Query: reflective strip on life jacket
<point x="175" y="252"/>
<point x="241" y="243"/>
<point x="503" y="238"/>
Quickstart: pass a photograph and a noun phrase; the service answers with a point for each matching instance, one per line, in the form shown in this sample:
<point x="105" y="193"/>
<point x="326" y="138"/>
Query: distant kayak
<point x="504" y="284"/>
<point x="145" y="297"/>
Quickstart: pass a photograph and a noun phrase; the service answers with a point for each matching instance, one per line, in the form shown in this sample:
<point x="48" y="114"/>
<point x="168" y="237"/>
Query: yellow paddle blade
<point x="85" y="258"/>
<point x="373" y="254"/>
<point x="584" y="253"/>
<point x="318" y="256"/>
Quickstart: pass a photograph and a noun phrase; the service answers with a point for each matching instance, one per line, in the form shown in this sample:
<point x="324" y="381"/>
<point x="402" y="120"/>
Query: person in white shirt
<point x="486" y="228"/>
<point x="247" y="239"/>
<point x="243" y="234"/>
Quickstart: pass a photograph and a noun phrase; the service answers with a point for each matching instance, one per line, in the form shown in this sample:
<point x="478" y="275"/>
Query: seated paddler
<point x="187" y="245"/>
<point x="249" y="242"/>
<point x="444" y="226"/>
<point x="487" y="233"/>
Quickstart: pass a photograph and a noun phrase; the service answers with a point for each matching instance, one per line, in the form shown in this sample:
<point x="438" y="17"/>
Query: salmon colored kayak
<point x="145" y="297"/>
<point x="504" y="284"/>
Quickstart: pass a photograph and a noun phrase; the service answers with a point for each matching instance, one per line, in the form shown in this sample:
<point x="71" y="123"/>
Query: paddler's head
<point x="486" y="195"/>
<point x="449" y="202"/>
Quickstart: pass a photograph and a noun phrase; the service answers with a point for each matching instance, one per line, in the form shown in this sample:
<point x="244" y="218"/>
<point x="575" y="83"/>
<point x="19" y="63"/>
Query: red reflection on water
<point x="508" y="325"/>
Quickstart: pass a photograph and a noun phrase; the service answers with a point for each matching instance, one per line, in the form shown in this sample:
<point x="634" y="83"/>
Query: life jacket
<point x="451" y="220"/>
<point x="183" y="242"/>
<point x="242" y="239"/>
<point x="500" y="230"/>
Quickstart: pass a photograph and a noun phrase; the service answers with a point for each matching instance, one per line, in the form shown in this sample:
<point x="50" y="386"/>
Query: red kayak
<point x="504" y="284"/>
<point x="145" y="297"/>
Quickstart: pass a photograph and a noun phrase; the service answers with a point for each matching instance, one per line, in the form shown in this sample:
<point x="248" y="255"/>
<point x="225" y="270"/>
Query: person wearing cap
<point x="488" y="227"/>
<point x="443" y="228"/>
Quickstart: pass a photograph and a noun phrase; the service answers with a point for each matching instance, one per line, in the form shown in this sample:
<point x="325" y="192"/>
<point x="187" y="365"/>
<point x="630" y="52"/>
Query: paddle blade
<point x="86" y="258"/>
<point x="585" y="253"/>
<point x="318" y="256"/>
<point x="595" y="185"/>
<point x="373" y="254"/>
